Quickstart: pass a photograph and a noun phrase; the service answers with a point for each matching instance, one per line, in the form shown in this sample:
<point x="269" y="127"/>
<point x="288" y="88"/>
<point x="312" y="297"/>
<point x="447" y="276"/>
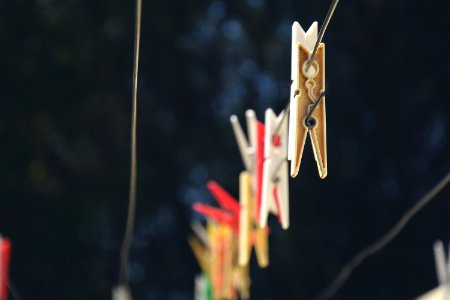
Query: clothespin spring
<point x="310" y="121"/>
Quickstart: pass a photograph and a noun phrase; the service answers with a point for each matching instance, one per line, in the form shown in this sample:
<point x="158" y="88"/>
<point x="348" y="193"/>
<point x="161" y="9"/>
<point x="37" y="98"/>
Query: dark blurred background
<point x="65" y="99"/>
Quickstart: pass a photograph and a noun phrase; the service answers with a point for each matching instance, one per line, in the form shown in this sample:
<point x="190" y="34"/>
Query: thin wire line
<point x="274" y="175"/>
<point x="313" y="108"/>
<point x="346" y="271"/>
<point x="322" y="32"/>
<point x="125" y="250"/>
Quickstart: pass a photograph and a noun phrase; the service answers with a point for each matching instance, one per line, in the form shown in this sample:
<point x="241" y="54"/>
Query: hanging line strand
<point x="125" y="249"/>
<point x="322" y="32"/>
<point x="377" y="246"/>
<point x="309" y="117"/>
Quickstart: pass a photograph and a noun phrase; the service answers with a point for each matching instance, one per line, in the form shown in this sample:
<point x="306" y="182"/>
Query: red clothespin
<point x="5" y="254"/>
<point x="228" y="214"/>
<point x="259" y="165"/>
<point x="223" y="197"/>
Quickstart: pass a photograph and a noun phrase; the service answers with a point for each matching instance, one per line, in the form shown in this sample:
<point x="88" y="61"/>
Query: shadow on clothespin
<point x="307" y="103"/>
<point x="442" y="292"/>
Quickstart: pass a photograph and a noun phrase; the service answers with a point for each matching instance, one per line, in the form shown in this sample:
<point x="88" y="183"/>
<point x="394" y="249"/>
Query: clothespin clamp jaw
<point x="241" y="278"/>
<point x="247" y="147"/>
<point x="200" y="246"/>
<point x="275" y="186"/>
<point x="308" y="84"/>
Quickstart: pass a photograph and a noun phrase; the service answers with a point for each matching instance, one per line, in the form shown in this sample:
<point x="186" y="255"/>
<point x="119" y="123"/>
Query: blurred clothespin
<point x="200" y="231"/>
<point x="121" y="292"/>
<point x="307" y="103"/>
<point x="252" y="152"/>
<point x="249" y="234"/>
<point x="202" y="288"/>
<point x="241" y="278"/>
<point x="201" y="253"/>
<point x="222" y="256"/>
<point x="275" y="186"/>
<point x="443" y="274"/>
<point x="5" y="254"/>
<point x="229" y="214"/>
<point x="442" y="263"/>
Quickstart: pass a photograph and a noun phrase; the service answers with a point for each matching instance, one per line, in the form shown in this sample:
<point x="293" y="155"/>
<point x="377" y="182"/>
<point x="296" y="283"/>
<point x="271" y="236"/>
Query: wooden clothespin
<point x="5" y="254"/>
<point x="275" y="186"/>
<point x="201" y="253"/>
<point x="249" y="234"/>
<point x="242" y="281"/>
<point x="307" y="103"/>
<point x="442" y="263"/>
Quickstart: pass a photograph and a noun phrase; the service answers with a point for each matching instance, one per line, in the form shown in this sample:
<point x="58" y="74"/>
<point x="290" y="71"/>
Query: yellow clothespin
<point x="307" y="103"/>
<point x="215" y="259"/>
<point x="242" y="281"/>
<point x="250" y="234"/>
<point x="201" y="253"/>
<point x="228" y="259"/>
<point x="223" y="253"/>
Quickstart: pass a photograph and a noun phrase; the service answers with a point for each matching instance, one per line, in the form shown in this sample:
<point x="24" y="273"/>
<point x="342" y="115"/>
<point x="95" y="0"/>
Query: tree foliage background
<point x="65" y="98"/>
